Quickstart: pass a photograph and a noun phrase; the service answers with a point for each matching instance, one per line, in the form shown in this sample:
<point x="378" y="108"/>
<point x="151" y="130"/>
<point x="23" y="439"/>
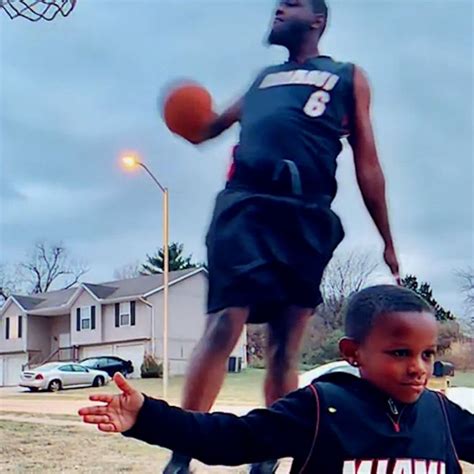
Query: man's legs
<point x="208" y="364"/>
<point x="208" y="367"/>
<point x="285" y="335"/>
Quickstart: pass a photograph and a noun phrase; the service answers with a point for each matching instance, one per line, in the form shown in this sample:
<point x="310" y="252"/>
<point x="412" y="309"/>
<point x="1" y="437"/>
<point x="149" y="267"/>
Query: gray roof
<point x="28" y="302"/>
<point x="143" y="284"/>
<point x="101" y="291"/>
<point x="50" y="299"/>
<point x="109" y="290"/>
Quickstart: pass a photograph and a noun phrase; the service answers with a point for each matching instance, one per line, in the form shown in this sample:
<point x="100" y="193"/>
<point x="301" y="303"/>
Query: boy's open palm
<point x="119" y="413"/>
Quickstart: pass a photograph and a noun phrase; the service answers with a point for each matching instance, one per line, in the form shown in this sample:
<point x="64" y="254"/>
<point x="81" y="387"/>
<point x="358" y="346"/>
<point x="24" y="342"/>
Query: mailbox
<point x="442" y="373"/>
<point x="443" y="369"/>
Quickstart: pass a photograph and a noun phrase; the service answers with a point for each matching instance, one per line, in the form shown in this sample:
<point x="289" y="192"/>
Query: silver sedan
<point x="57" y="375"/>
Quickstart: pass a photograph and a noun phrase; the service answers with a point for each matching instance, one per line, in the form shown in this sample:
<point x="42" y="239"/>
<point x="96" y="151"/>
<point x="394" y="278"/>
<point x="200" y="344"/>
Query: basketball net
<point x="35" y="10"/>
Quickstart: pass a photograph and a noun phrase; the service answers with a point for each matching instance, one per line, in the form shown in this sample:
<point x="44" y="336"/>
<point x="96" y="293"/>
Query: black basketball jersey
<point x="300" y="113"/>
<point x="340" y="424"/>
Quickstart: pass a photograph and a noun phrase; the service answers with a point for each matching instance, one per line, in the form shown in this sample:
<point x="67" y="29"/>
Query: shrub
<point x="151" y="368"/>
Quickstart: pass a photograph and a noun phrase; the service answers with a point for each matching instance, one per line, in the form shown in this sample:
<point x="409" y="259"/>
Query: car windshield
<point x="327" y="368"/>
<point x="89" y="362"/>
<point x="48" y="367"/>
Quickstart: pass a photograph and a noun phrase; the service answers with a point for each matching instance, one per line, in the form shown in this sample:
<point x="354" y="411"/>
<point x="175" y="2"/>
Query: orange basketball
<point x="187" y="110"/>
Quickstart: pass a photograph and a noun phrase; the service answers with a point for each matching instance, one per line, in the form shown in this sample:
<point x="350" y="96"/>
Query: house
<point x="122" y="318"/>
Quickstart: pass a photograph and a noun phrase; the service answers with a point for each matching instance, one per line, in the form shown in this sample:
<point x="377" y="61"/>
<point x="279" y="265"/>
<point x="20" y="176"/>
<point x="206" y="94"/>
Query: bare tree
<point x="130" y="270"/>
<point x="51" y="263"/>
<point x="466" y="280"/>
<point x="345" y="274"/>
<point x="348" y="273"/>
<point x="10" y="282"/>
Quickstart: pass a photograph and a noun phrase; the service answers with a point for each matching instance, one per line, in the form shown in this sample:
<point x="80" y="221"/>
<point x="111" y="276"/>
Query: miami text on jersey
<point x="397" y="466"/>
<point x="321" y="79"/>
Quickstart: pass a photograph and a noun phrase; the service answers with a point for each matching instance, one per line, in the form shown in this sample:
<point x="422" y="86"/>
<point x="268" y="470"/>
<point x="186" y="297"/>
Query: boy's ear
<point x="349" y="349"/>
<point x="318" y="21"/>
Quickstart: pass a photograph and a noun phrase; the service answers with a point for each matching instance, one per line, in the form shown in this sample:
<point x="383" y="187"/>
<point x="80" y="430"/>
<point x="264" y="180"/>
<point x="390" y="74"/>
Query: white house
<point x="122" y="318"/>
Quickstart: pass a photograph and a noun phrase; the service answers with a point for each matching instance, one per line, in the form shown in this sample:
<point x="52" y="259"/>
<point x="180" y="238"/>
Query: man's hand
<point x="219" y="123"/>
<point x="119" y="413"/>
<point x="391" y="260"/>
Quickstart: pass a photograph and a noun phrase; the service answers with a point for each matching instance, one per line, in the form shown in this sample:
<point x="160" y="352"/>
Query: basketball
<point x="187" y="110"/>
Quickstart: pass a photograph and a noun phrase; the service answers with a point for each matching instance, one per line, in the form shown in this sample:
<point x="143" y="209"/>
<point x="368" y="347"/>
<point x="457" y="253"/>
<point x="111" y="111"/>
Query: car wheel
<point x="98" y="382"/>
<point x="54" y="385"/>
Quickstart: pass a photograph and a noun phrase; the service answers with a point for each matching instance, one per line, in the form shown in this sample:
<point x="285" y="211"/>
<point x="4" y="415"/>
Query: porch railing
<point x="62" y="354"/>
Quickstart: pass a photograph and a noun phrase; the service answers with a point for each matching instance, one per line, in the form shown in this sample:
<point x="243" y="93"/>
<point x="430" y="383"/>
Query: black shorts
<point x="268" y="251"/>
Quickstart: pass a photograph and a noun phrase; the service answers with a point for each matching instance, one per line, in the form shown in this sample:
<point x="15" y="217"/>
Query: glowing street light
<point x="130" y="162"/>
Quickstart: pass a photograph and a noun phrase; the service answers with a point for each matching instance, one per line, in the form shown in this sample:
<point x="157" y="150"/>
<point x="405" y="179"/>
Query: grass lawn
<point x="37" y="448"/>
<point x="245" y="388"/>
<point x="42" y="448"/>
<point x="463" y="379"/>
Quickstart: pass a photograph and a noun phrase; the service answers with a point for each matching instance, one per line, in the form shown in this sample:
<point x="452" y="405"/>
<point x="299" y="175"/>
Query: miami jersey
<point x="300" y="113"/>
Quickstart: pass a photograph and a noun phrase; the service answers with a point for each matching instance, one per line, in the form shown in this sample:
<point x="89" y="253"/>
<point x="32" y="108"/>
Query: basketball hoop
<point x="35" y="10"/>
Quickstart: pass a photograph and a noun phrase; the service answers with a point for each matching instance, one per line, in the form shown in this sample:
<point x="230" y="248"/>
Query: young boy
<point x="384" y="422"/>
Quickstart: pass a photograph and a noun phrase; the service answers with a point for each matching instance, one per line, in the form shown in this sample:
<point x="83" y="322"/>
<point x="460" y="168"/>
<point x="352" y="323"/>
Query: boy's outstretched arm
<point x="287" y="429"/>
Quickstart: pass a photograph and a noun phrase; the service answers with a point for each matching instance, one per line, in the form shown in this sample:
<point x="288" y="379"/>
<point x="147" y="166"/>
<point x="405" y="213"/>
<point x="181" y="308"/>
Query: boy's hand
<point x="119" y="413"/>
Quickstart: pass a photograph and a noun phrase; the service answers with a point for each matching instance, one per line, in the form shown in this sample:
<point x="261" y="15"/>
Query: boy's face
<point x="398" y="354"/>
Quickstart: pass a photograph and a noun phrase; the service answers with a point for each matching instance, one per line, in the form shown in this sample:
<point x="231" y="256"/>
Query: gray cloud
<point x="76" y="93"/>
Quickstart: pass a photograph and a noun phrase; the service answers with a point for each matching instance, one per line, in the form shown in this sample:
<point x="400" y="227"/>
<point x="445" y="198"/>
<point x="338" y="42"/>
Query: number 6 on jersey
<point x="316" y="105"/>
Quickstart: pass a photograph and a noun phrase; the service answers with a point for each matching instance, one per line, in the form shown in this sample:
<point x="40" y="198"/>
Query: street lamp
<point x="131" y="162"/>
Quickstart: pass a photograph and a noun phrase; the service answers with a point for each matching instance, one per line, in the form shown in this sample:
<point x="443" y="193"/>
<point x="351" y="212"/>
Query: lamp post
<point x="131" y="162"/>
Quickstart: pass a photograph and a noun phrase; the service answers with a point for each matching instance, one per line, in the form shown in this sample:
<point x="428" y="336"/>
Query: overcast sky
<point x="77" y="91"/>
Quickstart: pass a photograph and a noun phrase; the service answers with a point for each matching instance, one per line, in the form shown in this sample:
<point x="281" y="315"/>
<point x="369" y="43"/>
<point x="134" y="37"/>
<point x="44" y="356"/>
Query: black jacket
<point x="338" y="424"/>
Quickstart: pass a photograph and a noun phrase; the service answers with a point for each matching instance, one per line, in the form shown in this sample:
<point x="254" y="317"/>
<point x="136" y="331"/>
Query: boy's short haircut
<point x="366" y="305"/>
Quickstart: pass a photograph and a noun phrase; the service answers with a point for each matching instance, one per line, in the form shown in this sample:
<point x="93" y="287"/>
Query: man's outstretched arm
<point x="368" y="170"/>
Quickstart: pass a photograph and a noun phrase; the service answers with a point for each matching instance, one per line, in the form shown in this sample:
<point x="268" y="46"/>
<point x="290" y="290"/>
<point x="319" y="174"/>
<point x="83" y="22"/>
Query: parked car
<point x="55" y="376"/>
<point x="109" y="364"/>
<point x="339" y="366"/>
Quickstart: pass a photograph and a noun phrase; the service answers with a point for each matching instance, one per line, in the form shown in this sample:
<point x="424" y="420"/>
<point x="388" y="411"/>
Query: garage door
<point x="97" y="351"/>
<point x="133" y="352"/>
<point x="12" y="367"/>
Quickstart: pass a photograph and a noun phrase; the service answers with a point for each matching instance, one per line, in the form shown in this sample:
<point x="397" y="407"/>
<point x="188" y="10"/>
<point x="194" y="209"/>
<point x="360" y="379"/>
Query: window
<point x="13" y="327"/>
<point x="78" y="368"/>
<point x="101" y="364"/>
<point x="112" y="362"/>
<point x="91" y="363"/>
<point x="66" y="368"/>
<point x="125" y="314"/>
<point x="85" y="317"/>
